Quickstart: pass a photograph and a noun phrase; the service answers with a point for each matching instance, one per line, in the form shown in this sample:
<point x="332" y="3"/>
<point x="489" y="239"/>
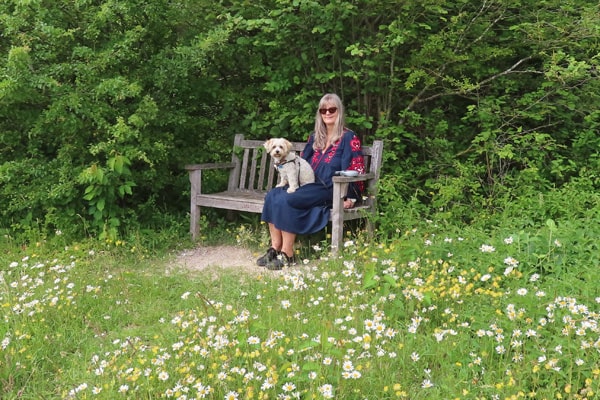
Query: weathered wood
<point x="253" y="176"/>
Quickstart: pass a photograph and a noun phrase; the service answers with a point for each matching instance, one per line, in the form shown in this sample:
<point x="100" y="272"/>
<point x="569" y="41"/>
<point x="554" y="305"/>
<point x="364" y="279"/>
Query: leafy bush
<point x="473" y="101"/>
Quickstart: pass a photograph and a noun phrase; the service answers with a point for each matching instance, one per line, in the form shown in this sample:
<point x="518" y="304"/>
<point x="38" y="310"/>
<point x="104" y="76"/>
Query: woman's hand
<point x="349" y="203"/>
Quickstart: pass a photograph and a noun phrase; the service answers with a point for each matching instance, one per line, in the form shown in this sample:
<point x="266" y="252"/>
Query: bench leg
<point x="195" y="221"/>
<point x="337" y="217"/>
<point x="195" y="181"/>
<point x="337" y="234"/>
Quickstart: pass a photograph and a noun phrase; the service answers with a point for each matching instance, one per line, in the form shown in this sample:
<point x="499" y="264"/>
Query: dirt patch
<point x="214" y="257"/>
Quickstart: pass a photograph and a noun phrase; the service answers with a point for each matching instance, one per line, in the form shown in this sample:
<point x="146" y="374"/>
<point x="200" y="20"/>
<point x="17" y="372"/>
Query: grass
<point x="435" y="312"/>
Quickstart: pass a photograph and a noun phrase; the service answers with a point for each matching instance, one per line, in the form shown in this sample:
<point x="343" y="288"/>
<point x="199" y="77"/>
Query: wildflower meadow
<point x="432" y="312"/>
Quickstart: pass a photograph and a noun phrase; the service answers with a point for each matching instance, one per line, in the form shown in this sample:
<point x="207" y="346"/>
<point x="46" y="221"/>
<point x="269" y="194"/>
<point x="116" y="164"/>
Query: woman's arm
<point x="308" y="151"/>
<point x="352" y="159"/>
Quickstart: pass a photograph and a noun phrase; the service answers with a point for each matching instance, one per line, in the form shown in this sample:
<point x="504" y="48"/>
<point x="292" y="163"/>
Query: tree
<point x="102" y="103"/>
<point x="98" y="100"/>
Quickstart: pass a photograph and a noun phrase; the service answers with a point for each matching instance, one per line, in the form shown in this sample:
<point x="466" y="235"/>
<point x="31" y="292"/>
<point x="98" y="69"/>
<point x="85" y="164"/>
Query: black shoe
<point x="282" y="260"/>
<point x="269" y="256"/>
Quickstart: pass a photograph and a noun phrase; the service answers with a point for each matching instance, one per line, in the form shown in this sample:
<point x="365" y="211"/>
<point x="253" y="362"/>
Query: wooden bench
<point x="252" y="175"/>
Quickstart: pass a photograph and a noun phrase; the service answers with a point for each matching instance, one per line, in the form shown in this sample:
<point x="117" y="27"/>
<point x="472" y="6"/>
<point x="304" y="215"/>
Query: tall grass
<point x="433" y="312"/>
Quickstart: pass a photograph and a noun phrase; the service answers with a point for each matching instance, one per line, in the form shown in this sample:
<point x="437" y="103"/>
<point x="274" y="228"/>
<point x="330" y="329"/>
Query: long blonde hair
<point x="320" y="127"/>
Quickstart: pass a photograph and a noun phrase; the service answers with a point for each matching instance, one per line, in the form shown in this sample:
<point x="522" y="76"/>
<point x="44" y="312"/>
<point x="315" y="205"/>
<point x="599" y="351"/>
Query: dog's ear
<point x="267" y="145"/>
<point x="288" y="145"/>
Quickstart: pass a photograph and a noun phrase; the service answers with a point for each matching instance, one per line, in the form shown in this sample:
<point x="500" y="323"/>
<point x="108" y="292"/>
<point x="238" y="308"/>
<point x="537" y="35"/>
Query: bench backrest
<point x="254" y="169"/>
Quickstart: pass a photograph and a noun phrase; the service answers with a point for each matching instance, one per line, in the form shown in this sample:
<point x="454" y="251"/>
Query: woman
<point x="330" y="148"/>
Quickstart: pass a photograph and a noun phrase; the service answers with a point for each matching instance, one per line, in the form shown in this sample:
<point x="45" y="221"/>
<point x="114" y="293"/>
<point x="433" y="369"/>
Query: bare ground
<point x="216" y="257"/>
<point x="213" y="259"/>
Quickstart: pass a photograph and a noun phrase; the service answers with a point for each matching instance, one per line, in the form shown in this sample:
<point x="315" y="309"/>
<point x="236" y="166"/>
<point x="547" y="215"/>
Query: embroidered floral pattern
<point x="320" y="156"/>
<point x="357" y="162"/>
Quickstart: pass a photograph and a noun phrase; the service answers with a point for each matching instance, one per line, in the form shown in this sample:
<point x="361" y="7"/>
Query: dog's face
<point x="278" y="148"/>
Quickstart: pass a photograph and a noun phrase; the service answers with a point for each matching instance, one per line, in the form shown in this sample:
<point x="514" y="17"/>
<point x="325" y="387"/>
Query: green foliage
<point x="473" y="99"/>
<point x="456" y="311"/>
<point x="106" y="186"/>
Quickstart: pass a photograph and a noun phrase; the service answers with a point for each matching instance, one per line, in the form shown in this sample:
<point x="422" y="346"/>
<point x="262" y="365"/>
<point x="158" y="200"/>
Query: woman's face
<point x="329" y="113"/>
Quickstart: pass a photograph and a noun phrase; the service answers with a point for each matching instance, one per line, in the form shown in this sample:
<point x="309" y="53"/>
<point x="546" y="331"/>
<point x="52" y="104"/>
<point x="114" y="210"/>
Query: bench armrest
<point x="340" y="187"/>
<point x="197" y="167"/>
<point x="195" y="172"/>
<point x="350" y="179"/>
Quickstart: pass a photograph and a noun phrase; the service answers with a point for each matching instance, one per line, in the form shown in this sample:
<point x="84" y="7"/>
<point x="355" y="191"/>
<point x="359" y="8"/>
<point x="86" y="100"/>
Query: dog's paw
<point x="291" y="189"/>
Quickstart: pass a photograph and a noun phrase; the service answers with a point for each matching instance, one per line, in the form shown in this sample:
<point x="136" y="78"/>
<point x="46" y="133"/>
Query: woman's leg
<point x="282" y="240"/>
<point x="276" y="237"/>
<point x="288" y="243"/>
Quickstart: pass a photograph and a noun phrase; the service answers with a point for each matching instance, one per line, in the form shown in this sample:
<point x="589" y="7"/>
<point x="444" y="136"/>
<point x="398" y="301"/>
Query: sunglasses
<point x="331" y="110"/>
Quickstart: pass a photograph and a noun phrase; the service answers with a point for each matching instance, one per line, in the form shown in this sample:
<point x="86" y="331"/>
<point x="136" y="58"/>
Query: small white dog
<point x="293" y="170"/>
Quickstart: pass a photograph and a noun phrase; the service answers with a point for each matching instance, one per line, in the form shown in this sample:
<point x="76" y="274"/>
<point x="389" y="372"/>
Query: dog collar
<point x="281" y="164"/>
